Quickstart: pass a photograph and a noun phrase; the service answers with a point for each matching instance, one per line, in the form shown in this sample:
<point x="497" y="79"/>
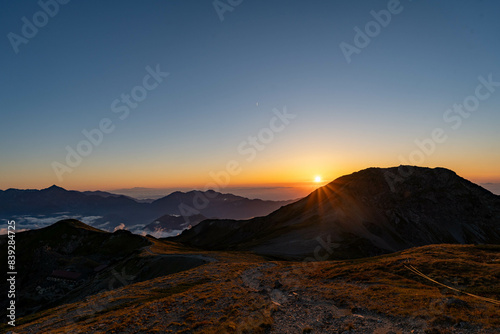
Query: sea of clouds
<point x="25" y="223"/>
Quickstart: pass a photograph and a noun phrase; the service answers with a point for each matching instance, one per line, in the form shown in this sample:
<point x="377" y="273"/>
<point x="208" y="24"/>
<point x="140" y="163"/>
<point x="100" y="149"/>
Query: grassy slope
<point x="244" y="293"/>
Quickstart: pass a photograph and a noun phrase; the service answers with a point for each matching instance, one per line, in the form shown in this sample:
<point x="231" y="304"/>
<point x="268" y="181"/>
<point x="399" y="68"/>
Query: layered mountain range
<point x="108" y="211"/>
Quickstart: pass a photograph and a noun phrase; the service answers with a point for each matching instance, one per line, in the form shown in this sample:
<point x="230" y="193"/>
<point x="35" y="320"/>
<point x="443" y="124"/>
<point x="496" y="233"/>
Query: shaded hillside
<point x="363" y="214"/>
<point x="70" y="260"/>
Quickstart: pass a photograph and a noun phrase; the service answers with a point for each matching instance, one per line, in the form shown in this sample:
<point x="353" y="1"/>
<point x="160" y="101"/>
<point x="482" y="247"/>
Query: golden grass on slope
<point x="385" y="284"/>
<point x="245" y="294"/>
<point x="192" y="301"/>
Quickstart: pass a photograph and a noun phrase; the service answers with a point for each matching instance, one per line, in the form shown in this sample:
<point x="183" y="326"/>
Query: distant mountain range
<point x="110" y="211"/>
<point x="370" y="212"/>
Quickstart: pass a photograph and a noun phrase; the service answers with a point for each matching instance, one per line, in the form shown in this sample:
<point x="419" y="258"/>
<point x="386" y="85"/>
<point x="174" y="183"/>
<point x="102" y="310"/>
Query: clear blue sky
<point x="225" y="78"/>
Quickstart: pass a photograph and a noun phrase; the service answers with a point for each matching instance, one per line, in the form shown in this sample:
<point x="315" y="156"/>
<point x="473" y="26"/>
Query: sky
<point x="192" y="94"/>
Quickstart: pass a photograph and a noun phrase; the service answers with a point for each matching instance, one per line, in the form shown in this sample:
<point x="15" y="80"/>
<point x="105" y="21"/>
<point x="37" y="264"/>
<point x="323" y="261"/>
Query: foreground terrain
<point x="237" y="292"/>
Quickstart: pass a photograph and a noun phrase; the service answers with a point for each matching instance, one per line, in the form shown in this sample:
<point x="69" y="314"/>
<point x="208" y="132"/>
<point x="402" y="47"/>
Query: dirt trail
<point x="298" y="311"/>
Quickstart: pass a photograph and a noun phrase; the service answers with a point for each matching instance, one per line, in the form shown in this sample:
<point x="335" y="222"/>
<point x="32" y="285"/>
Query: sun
<point x="317" y="179"/>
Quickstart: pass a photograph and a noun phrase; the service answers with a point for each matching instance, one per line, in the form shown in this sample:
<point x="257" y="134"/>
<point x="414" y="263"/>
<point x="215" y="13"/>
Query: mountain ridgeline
<point x="370" y="212"/>
<point x="112" y="210"/>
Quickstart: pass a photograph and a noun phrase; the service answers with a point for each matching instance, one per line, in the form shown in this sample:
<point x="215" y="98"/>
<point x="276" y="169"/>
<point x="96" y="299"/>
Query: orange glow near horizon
<point x="295" y="172"/>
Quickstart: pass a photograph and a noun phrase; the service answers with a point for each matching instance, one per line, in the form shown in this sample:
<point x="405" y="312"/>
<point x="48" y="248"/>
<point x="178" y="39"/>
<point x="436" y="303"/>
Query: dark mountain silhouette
<point x="214" y="204"/>
<point x="56" y="199"/>
<point x="370" y="212"/>
<point x="118" y="209"/>
<point x="101" y="193"/>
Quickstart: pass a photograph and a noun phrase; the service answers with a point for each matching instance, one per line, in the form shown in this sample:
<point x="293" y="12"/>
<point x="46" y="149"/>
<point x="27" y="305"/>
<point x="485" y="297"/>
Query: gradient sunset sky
<point x="227" y="76"/>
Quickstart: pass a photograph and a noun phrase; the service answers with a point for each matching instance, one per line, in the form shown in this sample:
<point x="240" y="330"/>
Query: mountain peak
<point x="401" y="179"/>
<point x="54" y="188"/>
<point x="369" y="212"/>
<point x="74" y="224"/>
